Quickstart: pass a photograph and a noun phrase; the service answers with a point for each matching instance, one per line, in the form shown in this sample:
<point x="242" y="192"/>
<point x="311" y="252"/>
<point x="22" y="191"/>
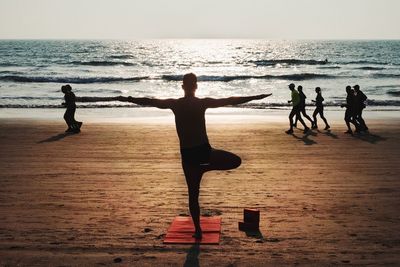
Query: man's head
<point x="317" y="90"/>
<point x="189" y="82"/>
<point x="348" y="89"/>
<point x="292" y="86"/>
<point x="356" y="87"/>
<point x="66" y="88"/>
<point x="300" y="88"/>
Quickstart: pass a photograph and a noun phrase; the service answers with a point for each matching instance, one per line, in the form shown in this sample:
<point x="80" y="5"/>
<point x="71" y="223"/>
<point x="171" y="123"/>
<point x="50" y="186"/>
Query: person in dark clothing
<point x="197" y="154"/>
<point x="349" y="116"/>
<point x="319" y="109"/>
<point x="295" y="100"/>
<point x="302" y="106"/>
<point x="359" y="104"/>
<point x="69" y="115"/>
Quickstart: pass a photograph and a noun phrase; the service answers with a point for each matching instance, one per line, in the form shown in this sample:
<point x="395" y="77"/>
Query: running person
<point x="197" y="154"/>
<point x="359" y="105"/>
<point x="302" y="106"/>
<point x="69" y="115"/>
<point x="295" y="100"/>
<point x="319" y="109"/>
<point x="349" y="115"/>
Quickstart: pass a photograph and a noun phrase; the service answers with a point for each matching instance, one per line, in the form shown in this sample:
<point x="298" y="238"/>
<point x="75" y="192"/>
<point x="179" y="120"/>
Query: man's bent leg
<point x="219" y="160"/>
<point x="222" y="160"/>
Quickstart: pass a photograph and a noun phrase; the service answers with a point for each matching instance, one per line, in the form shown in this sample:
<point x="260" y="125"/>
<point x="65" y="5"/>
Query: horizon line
<point x="208" y="38"/>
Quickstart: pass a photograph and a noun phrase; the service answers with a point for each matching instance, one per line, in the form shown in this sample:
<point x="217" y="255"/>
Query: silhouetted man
<point x="302" y="106"/>
<point x="349" y="115"/>
<point x="295" y="110"/>
<point x="69" y="115"/>
<point x="359" y="105"/>
<point x="197" y="154"/>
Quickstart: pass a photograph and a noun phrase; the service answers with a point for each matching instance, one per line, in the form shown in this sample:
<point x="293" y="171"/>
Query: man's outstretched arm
<point x="234" y="100"/>
<point x="145" y="101"/>
<point x="95" y="99"/>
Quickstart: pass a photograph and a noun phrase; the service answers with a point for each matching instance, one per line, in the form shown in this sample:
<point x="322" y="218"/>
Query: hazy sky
<point x="271" y="19"/>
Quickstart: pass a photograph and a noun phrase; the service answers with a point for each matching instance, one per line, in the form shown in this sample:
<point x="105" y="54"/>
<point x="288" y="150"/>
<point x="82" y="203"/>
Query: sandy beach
<point x="107" y="196"/>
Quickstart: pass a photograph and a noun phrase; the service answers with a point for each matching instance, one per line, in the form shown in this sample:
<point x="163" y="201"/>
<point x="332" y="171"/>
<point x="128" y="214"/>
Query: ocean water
<point x="32" y="71"/>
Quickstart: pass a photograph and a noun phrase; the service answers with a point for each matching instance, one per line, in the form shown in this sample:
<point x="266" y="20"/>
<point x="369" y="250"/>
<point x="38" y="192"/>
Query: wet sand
<point x="110" y="193"/>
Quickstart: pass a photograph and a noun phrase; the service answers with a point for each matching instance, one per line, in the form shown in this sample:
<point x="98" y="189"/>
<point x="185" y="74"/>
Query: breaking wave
<point x="77" y="80"/>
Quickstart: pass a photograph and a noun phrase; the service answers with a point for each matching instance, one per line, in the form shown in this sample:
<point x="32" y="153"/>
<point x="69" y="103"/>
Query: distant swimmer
<point x="295" y="100"/>
<point x="69" y="115"/>
<point x="349" y="115"/>
<point x="359" y="105"/>
<point x="319" y="109"/>
<point x="302" y="106"/>
<point x="197" y="155"/>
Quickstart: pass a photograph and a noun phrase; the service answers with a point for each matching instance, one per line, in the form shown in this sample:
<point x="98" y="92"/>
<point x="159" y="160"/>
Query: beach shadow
<point x="192" y="257"/>
<point x="370" y="138"/>
<point x="329" y="133"/>
<point x="307" y="141"/>
<point x="55" y="138"/>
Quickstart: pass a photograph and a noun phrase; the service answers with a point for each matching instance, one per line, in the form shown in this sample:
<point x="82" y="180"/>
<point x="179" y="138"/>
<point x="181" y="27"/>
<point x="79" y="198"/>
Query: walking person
<point x="197" y="155"/>
<point x="319" y="109"/>
<point x="359" y="105"/>
<point x="295" y="100"/>
<point x="69" y="115"/>
<point x="349" y="116"/>
<point x="302" y="106"/>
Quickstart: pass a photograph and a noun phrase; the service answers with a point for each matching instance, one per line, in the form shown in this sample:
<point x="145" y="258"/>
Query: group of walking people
<point x="355" y="103"/>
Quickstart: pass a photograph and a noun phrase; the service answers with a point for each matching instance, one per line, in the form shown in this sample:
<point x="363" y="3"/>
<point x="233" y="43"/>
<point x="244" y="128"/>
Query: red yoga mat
<point x="182" y="229"/>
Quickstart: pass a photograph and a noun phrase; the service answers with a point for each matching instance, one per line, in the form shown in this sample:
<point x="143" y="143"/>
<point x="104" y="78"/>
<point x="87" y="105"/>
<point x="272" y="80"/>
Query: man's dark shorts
<point x="196" y="155"/>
